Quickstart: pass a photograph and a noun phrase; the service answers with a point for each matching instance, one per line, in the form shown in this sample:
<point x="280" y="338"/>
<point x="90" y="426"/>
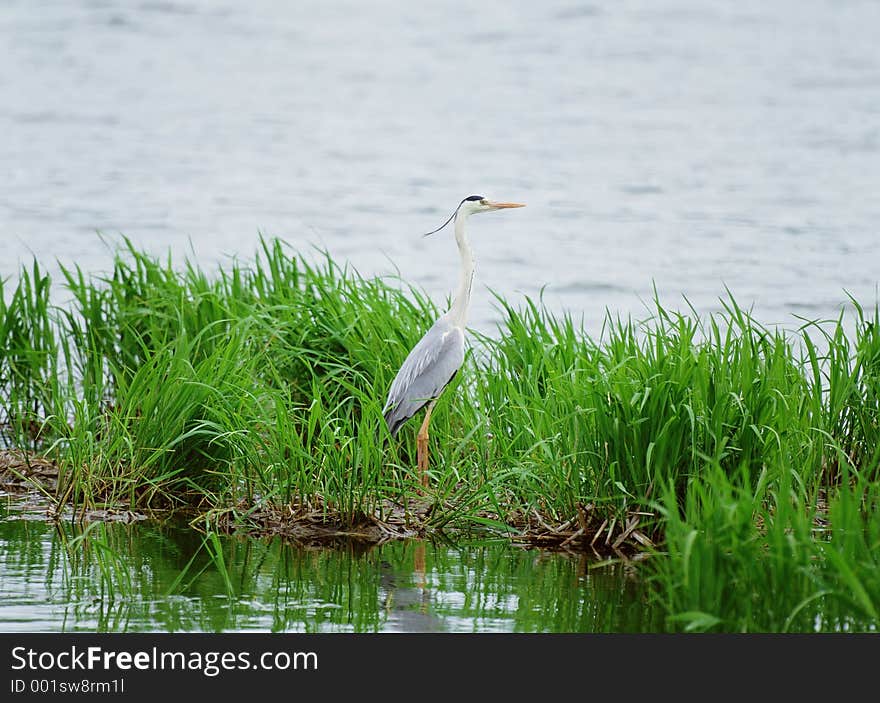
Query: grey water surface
<point x="695" y="145"/>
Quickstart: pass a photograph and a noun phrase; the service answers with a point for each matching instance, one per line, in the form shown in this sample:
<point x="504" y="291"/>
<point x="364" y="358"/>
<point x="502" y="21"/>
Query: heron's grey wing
<point x="427" y="370"/>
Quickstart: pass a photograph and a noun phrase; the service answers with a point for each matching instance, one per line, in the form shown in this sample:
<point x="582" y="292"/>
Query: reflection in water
<point x="405" y="598"/>
<point x="148" y="577"/>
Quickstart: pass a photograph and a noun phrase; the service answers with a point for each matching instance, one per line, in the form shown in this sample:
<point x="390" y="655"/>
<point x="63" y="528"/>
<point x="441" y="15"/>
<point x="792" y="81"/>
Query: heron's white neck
<point x="458" y="311"/>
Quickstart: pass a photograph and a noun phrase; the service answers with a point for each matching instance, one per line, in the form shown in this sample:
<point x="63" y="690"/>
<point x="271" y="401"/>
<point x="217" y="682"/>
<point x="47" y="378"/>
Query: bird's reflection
<point x="406" y="598"/>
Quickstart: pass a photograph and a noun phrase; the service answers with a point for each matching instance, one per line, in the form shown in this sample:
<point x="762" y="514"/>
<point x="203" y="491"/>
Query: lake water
<point x="692" y="144"/>
<point x="149" y="578"/>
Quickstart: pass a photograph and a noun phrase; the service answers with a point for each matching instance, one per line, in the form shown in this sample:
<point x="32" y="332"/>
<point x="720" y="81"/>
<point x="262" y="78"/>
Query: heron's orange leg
<point x="422" y="446"/>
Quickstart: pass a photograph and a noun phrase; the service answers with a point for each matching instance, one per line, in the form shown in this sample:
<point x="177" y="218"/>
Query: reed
<point x="609" y="422"/>
<point x="28" y="358"/>
<point x="769" y="560"/>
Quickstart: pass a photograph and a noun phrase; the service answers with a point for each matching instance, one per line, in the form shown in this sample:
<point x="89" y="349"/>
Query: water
<point x="150" y="578"/>
<point x="692" y="145"/>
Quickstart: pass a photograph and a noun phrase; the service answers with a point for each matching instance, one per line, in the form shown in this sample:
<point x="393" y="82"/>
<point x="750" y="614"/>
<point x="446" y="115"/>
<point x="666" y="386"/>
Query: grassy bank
<point x="251" y="397"/>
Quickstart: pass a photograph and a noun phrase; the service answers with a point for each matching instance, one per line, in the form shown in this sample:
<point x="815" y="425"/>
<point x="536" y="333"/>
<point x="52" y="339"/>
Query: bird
<point x="435" y="359"/>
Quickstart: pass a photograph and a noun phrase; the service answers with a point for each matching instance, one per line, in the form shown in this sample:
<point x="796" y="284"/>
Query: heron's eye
<point x="483" y="202"/>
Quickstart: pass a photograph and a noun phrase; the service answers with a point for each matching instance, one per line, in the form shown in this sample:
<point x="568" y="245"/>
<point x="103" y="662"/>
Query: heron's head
<point x="477" y="203"/>
<point x="473" y="204"/>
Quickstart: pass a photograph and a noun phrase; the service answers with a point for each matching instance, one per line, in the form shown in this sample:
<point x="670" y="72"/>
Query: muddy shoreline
<point x="29" y="483"/>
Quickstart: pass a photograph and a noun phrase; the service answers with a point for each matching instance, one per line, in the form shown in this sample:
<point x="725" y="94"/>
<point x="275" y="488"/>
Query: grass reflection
<point x="152" y="577"/>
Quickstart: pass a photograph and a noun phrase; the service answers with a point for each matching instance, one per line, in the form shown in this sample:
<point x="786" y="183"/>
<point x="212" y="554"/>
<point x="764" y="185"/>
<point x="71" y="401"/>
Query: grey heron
<point x="435" y="359"/>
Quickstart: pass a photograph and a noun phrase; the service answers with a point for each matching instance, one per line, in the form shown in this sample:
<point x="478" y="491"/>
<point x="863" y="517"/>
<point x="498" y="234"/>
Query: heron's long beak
<point x="499" y="206"/>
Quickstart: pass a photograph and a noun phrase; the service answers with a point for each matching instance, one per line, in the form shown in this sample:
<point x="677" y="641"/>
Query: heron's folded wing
<point x="427" y="369"/>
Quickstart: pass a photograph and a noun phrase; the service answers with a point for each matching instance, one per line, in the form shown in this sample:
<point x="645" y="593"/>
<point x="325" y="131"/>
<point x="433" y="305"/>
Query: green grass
<point x="28" y="357"/>
<point x="609" y="422"/>
<point x="747" y="456"/>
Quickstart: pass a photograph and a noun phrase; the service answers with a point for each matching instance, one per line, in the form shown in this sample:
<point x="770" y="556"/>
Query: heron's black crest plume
<point x="452" y="216"/>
